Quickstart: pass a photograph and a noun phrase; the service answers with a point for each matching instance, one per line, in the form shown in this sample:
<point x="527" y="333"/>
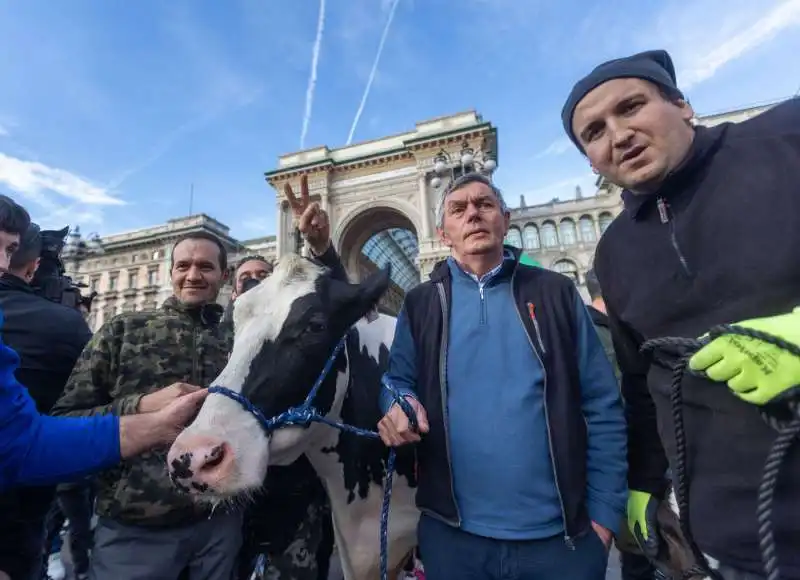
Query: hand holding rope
<point x="788" y="433"/>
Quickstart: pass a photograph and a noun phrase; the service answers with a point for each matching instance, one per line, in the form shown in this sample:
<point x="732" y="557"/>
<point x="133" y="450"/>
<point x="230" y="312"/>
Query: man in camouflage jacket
<point x="137" y="363"/>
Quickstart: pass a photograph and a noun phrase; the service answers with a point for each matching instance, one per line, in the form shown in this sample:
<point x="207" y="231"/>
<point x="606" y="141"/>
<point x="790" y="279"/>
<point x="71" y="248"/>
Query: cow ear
<point x="353" y="301"/>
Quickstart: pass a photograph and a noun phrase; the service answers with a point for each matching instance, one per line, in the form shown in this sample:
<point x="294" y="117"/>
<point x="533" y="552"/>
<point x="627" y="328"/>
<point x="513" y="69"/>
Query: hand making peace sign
<point x="312" y="220"/>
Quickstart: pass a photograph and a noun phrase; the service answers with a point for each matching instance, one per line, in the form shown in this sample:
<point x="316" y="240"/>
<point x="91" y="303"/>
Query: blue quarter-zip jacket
<point x="40" y="450"/>
<point x="503" y="474"/>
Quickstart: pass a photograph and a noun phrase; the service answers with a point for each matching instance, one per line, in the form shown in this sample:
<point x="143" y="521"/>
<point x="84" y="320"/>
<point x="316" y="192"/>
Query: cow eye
<point x="316" y="326"/>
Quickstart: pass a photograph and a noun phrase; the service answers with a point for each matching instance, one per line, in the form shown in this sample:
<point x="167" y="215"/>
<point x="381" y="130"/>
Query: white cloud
<point x="34" y="180"/>
<point x="557" y="147"/>
<point x="706" y="63"/>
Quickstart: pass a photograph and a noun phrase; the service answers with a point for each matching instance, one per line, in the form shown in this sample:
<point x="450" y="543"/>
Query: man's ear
<point x="31" y="270"/>
<point x="444" y="238"/>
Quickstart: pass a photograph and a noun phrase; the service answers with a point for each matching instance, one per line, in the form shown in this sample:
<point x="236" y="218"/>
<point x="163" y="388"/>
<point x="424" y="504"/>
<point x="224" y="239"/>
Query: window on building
<point x="514" y="238"/>
<point x="94" y="283"/>
<point x="112" y="282"/>
<point x="152" y="277"/>
<point x="604" y="221"/>
<point x="158" y="254"/>
<point x="568" y="268"/>
<point x="587" y="229"/>
<point x="108" y="313"/>
<point x="133" y="279"/>
<point x="549" y="235"/>
<point x="569" y="234"/>
<point x="530" y="237"/>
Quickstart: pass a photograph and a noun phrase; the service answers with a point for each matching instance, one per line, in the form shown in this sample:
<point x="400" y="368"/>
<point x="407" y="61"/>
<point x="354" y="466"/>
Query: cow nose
<point x="196" y="462"/>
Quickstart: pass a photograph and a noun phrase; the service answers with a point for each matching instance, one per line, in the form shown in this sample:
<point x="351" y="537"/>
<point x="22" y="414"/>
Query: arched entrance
<point x="375" y="238"/>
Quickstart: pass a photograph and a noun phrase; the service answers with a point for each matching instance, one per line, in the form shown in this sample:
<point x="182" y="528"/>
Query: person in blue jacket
<point x="521" y="444"/>
<point x="40" y="450"/>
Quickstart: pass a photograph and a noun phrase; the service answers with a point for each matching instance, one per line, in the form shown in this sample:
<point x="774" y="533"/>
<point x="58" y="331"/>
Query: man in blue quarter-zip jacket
<point x="522" y="468"/>
<point x="40" y="450"/>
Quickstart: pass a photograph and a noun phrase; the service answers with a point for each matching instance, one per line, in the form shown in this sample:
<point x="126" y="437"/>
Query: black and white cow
<point x="285" y="330"/>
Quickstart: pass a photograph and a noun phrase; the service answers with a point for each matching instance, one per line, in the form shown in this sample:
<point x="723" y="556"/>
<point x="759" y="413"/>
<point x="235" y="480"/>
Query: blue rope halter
<point x="306" y="414"/>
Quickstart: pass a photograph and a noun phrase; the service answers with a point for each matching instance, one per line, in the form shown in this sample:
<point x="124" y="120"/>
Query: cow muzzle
<point x="199" y="464"/>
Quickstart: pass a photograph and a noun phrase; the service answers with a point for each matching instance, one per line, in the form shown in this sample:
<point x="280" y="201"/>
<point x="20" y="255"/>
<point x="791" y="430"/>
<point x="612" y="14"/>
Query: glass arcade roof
<point x="399" y="248"/>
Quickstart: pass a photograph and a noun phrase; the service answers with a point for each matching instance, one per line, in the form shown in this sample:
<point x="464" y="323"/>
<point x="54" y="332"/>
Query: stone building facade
<point x="388" y="183"/>
<point x="563" y="235"/>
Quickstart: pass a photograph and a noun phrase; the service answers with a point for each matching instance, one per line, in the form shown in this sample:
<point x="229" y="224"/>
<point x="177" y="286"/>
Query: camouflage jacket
<point x="132" y="355"/>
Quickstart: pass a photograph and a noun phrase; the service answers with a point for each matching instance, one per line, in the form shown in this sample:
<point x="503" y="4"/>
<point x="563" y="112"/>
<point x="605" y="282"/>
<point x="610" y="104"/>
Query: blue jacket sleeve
<point x="606" y="460"/>
<point x="402" y="371"/>
<point x="40" y="450"/>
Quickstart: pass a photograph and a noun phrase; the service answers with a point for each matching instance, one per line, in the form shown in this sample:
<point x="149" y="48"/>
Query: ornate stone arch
<point x="365" y="220"/>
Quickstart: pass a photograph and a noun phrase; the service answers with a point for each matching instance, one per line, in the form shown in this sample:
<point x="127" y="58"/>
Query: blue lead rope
<point x="306" y="414"/>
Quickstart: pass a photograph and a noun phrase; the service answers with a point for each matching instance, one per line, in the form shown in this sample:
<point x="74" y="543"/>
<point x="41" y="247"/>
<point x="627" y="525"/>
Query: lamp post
<point x="79" y="248"/>
<point x="468" y="161"/>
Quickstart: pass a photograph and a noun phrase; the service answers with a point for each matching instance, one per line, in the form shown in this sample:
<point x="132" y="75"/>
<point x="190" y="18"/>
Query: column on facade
<point x="324" y="201"/>
<point x="596" y="220"/>
<point x="279" y="240"/>
<point x="425" y="208"/>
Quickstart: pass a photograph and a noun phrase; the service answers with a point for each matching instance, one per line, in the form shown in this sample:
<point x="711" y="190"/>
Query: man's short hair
<point x="256" y="258"/>
<point x="209" y="237"/>
<point x="593" y="285"/>
<point x="460" y="182"/>
<point x="14" y="219"/>
<point x="30" y="248"/>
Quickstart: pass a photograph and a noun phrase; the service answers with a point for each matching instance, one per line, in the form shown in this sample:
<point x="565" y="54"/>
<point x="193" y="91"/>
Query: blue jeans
<point x="449" y="553"/>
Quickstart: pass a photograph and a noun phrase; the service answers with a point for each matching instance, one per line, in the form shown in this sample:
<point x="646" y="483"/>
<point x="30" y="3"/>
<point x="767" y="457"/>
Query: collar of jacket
<point x="441" y="270"/>
<point x="12" y="282"/>
<point x="208" y="314"/>
<point x="706" y="143"/>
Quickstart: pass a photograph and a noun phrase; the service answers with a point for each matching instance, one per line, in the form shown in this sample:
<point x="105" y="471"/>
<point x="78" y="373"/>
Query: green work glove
<point x="643" y="522"/>
<point x="756" y="371"/>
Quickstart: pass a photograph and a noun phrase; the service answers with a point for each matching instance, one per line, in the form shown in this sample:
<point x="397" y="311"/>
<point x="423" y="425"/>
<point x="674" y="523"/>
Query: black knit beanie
<point x="654" y="66"/>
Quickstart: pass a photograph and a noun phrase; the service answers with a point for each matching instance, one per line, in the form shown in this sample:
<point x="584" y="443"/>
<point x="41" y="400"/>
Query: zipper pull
<point x="663" y="210"/>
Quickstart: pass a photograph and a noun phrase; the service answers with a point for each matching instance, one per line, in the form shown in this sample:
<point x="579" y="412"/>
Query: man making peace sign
<point x="295" y="491"/>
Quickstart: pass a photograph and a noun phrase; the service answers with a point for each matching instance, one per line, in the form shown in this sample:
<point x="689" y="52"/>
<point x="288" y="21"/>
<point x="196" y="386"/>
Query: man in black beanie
<point x="708" y="236"/>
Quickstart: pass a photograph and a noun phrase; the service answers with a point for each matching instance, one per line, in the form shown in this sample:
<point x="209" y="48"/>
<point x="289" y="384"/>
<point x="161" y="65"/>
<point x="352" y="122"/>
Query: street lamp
<point x="468" y="160"/>
<point x="79" y="248"/>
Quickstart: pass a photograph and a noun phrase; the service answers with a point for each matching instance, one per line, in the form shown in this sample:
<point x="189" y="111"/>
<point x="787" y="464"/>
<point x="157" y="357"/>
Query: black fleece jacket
<point x="718" y="243"/>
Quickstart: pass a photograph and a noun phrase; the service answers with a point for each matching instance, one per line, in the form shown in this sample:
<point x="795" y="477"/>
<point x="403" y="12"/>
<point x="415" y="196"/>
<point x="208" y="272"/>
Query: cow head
<point x="285" y="331"/>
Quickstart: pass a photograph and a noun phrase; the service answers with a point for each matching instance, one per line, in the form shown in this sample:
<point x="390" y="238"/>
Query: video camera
<point x="50" y="281"/>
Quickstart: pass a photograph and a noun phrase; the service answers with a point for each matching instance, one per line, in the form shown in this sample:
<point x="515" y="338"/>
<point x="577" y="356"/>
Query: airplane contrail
<point x="373" y="71"/>
<point x="312" y="79"/>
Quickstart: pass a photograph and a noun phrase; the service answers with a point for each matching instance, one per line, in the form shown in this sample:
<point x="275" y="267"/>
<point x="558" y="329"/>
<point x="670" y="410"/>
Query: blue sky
<point x="109" y="111"/>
